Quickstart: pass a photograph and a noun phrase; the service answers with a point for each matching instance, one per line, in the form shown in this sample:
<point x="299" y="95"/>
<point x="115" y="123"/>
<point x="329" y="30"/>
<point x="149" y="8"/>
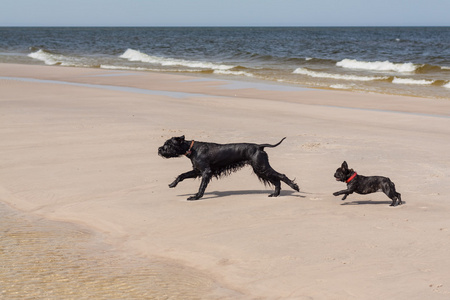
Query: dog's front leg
<point x="181" y="177"/>
<point x="343" y="192"/>
<point x="206" y="177"/>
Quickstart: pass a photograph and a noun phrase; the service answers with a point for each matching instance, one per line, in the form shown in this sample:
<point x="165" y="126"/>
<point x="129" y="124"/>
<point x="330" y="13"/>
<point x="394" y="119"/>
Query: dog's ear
<point x="179" y="139"/>
<point x="344" y="165"/>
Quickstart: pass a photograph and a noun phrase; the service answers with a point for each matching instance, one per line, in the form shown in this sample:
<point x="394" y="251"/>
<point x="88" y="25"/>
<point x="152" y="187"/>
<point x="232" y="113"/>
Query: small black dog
<point x="365" y="185"/>
<point x="210" y="159"/>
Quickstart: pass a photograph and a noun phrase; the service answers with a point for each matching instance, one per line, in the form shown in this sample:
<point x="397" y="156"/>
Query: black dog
<point x="365" y="185"/>
<point x="210" y="159"/>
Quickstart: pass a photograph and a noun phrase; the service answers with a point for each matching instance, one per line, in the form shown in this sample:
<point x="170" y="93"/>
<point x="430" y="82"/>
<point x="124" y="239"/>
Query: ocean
<point x="412" y="61"/>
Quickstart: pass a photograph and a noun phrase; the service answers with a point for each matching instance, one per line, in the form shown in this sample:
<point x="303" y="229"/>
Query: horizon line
<point x="218" y="26"/>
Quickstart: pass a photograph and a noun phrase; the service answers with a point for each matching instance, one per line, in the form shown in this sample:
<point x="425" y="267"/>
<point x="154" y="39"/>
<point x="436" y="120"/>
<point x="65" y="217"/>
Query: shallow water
<point x="42" y="259"/>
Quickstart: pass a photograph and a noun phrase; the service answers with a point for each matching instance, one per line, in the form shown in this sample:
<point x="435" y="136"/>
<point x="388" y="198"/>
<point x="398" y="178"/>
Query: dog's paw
<point x="173" y="184"/>
<point x="191" y="198"/>
<point x="335" y="194"/>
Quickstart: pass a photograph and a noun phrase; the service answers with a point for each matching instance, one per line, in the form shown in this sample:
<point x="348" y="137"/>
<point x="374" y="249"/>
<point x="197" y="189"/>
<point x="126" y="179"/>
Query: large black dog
<point x="210" y="159"/>
<point x="365" y="185"/>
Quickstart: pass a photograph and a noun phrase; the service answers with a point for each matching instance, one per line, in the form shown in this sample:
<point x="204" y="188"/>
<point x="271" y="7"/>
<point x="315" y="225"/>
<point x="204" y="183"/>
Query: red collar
<point x="190" y="149"/>
<point x="352" y="177"/>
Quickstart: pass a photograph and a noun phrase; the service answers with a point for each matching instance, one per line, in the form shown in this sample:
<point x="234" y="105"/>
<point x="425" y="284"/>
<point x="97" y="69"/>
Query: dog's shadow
<point x="222" y="194"/>
<point x="370" y="202"/>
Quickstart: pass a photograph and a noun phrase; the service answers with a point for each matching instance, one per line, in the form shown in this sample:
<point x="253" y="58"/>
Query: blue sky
<point x="225" y="13"/>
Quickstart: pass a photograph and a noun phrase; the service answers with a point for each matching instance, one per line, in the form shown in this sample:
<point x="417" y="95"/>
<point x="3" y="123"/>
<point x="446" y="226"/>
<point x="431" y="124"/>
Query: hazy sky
<point x="225" y="13"/>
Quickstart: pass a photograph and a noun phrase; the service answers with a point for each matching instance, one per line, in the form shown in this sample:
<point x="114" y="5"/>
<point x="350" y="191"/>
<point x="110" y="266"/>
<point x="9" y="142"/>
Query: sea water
<point x="411" y="61"/>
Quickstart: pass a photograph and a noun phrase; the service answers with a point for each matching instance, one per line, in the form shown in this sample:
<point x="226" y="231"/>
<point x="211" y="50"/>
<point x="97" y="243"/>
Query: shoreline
<point x="215" y="86"/>
<point x="87" y="154"/>
<point x="225" y="84"/>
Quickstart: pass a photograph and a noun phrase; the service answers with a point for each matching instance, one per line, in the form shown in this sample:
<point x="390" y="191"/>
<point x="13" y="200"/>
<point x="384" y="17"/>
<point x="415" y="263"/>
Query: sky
<point x="225" y="13"/>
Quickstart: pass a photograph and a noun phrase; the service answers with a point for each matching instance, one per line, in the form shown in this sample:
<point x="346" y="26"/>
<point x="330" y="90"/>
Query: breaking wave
<point x="137" y="56"/>
<point x="50" y="58"/>
<point x="412" y="81"/>
<point x="377" y="66"/>
<point x="236" y="73"/>
<point x="304" y="71"/>
<point x="47" y="57"/>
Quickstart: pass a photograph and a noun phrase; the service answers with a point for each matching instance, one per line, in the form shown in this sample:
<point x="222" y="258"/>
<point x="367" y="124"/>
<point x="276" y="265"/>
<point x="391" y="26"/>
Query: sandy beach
<point x="80" y="145"/>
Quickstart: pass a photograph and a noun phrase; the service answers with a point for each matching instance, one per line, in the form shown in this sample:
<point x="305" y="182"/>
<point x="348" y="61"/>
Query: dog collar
<point x="190" y="149"/>
<point x="352" y="177"/>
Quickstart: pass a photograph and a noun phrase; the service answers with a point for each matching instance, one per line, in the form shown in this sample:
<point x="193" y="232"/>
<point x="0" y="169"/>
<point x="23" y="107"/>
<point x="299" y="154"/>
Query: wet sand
<point x="87" y="154"/>
<point x="42" y="259"/>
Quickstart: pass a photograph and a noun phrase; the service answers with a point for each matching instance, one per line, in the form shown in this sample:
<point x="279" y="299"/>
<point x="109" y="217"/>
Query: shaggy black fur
<point x="216" y="160"/>
<point x="365" y="185"/>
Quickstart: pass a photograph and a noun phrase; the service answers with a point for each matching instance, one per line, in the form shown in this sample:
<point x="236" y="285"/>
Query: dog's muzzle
<point x="338" y="178"/>
<point x="161" y="151"/>
<point x="166" y="153"/>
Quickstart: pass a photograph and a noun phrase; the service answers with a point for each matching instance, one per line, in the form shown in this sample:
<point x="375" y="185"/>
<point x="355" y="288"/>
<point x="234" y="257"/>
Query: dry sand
<point x="88" y="154"/>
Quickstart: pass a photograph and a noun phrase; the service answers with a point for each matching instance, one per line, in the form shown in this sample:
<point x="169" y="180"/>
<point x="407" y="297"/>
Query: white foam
<point x="304" y="71"/>
<point x="236" y="73"/>
<point x="134" y="55"/>
<point x="110" y="67"/>
<point x="411" y="81"/>
<point x="57" y="59"/>
<point x="46" y="57"/>
<point x="341" y="86"/>
<point x="447" y="85"/>
<point x="377" y="66"/>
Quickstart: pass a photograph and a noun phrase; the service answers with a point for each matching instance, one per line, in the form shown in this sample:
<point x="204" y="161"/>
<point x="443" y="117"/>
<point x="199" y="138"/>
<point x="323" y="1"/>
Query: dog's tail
<point x="262" y="146"/>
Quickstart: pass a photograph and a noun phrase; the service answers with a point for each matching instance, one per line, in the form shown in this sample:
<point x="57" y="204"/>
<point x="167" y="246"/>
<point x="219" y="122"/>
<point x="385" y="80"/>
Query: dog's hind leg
<point x="396" y="199"/>
<point x="181" y="177"/>
<point x="277" y="185"/>
<point x="289" y="182"/>
<point x="399" y="197"/>
<point x="267" y="174"/>
<point x="275" y="178"/>
<point x="389" y="190"/>
<point x="269" y="180"/>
